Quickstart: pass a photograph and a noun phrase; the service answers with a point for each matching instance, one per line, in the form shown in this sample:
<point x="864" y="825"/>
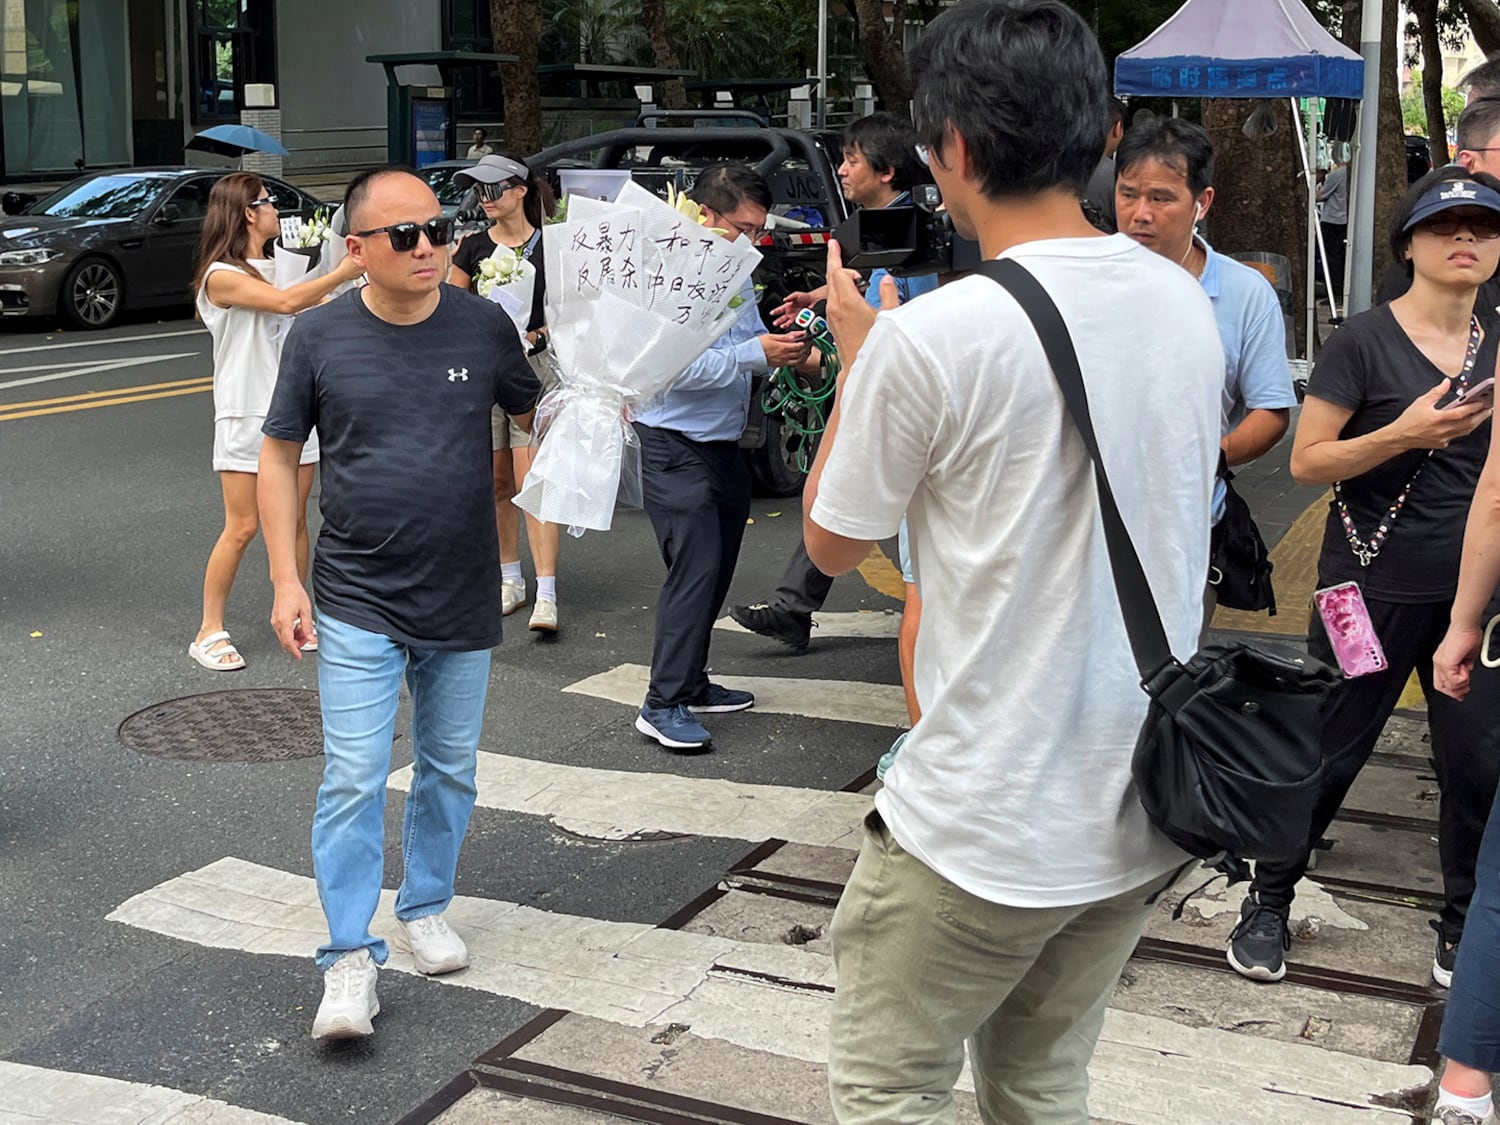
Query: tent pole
<point x="1307" y="146"/>
<point x="1362" y="190"/>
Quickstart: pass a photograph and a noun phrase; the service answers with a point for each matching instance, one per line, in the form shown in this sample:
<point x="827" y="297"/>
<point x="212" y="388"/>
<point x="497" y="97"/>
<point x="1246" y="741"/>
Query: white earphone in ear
<point x="1197" y="212"/>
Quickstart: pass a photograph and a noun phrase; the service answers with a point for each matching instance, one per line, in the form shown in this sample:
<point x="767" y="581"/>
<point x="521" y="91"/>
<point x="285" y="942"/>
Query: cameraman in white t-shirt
<point x="1009" y="868"/>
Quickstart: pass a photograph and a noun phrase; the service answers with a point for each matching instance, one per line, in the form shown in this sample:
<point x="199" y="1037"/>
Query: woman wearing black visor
<point x="516" y="202"/>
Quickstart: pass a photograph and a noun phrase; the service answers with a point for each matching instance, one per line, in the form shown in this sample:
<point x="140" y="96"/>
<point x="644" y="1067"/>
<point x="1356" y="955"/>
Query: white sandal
<point x="212" y="649"/>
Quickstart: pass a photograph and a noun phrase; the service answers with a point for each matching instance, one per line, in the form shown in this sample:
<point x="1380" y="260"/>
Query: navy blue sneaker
<point x="674" y="727"/>
<point x="716" y="699"/>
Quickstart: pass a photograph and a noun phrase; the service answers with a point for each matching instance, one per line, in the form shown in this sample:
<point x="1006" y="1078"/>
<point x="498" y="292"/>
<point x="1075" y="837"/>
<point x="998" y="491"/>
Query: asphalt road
<point x="108" y="509"/>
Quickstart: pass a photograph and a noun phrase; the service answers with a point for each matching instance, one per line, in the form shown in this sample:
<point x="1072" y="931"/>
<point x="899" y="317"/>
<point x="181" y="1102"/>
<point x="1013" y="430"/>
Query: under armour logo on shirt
<point x="455" y="376"/>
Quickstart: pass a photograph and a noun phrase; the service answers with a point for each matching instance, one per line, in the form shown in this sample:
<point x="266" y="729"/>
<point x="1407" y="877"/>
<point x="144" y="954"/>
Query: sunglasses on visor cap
<point x="491" y="192"/>
<point x="404" y="236"/>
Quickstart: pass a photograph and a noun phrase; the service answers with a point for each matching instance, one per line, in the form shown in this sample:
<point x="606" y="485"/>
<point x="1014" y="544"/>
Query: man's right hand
<point x="1423" y="426"/>
<point x="291" y="617"/>
<point x="784" y="315"/>
<point x="785" y="351"/>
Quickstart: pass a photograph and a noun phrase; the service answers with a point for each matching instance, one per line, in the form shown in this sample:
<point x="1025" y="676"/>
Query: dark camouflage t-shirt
<point x="408" y="547"/>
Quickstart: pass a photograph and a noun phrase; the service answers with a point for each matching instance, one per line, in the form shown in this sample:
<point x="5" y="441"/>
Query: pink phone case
<point x="1350" y="631"/>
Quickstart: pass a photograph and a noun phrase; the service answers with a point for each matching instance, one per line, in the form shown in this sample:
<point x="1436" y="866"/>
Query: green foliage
<point x="594" y="31"/>
<point x="1414" y="106"/>
<point x="714" y="38"/>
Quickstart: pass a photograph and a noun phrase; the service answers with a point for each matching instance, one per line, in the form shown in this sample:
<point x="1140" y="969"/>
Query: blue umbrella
<point x="236" y="140"/>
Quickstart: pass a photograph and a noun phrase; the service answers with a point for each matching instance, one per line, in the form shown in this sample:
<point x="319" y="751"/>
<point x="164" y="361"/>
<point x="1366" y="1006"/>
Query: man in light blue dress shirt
<point x="696" y="486"/>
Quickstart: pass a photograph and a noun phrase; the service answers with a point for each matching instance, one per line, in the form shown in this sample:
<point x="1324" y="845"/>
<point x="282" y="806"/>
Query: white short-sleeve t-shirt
<point x="1016" y="784"/>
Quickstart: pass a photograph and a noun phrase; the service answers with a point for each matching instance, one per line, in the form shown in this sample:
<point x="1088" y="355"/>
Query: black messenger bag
<point x="1228" y="764"/>
<point x="1239" y="566"/>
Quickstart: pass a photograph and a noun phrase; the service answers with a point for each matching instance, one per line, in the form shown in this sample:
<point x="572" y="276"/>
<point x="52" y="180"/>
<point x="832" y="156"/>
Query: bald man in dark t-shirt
<point x="399" y="378"/>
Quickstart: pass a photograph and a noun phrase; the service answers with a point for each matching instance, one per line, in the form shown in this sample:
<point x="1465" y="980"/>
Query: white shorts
<point x="237" y="445"/>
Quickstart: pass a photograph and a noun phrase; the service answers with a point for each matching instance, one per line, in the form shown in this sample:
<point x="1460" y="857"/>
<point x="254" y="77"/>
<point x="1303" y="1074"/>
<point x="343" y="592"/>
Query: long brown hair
<point x="225" y="238"/>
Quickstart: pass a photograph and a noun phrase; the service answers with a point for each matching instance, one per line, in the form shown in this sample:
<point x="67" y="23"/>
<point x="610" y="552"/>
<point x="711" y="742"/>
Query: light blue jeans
<point x="359" y="681"/>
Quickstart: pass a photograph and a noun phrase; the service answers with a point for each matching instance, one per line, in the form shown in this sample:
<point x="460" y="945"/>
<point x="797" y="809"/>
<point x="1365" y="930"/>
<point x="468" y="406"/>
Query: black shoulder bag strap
<point x="1148" y="639"/>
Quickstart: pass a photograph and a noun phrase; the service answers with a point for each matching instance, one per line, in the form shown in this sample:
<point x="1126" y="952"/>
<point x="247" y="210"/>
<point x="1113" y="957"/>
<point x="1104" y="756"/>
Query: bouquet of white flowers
<point x="307" y="249"/>
<point x="509" y="280"/>
<point x="299" y="251"/>
<point x="636" y="290"/>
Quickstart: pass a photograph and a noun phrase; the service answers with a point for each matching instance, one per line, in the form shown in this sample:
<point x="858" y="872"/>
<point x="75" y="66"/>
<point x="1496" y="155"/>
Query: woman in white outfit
<point x="242" y="311"/>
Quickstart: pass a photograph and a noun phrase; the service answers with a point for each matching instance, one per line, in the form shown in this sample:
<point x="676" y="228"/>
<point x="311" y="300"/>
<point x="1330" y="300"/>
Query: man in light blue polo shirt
<point x="1163" y="189"/>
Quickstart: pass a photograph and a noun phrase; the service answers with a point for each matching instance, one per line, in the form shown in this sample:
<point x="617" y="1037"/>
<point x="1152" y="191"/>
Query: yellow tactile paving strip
<point x="1296" y="576"/>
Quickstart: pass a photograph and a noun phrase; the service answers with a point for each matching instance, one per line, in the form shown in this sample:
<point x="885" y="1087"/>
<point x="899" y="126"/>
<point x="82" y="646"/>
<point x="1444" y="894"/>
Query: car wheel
<point x="93" y="294"/>
<point x="777" y="465"/>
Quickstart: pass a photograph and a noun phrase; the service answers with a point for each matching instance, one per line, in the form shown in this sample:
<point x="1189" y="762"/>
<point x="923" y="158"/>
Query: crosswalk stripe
<point x="879" y="626"/>
<point x="771" y="998"/>
<point x="848" y="701"/>
<point x="618" y="804"/>
<point x="33" y="1094"/>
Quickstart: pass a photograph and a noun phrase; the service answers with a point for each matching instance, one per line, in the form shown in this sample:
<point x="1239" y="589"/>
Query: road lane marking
<point x="95" y="368"/>
<point x="882" y="575"/>
<point x="619" y="804"/>
<point x="847" y="701"/>
<point x="34" y="1094"/>
<point x="772" y="998"/>
<point x="864" y="623"/>
<point x="122" y="401"/>
<point x="105" y="340"/>
<point x="89" y="396"/>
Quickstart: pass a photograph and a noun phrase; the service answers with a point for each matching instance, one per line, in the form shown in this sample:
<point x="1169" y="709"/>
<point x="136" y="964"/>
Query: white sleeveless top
<point x="247" y="351"/>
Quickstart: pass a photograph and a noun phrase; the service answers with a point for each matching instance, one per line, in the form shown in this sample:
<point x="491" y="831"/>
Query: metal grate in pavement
<point x="251" y="725"/>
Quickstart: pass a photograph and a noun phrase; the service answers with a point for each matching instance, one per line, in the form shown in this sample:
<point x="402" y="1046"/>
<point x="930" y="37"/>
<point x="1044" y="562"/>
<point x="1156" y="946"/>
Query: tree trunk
<point x="1390" y="154"/>
<point x="516" y="26"/>
<point x="1484" y="23"/>
<point x="885" y="58"/>
<point x="654" y="20"/>
<point x="1426" y="12"/>
<point x="1259" y="169"/>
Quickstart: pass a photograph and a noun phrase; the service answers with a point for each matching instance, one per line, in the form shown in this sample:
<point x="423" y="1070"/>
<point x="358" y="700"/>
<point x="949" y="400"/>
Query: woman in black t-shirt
<point x="1378" y="426"/>
<point x="516" y="202"/>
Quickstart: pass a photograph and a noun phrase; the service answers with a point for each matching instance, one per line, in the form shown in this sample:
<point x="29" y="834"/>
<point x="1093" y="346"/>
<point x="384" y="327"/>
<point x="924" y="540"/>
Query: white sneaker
<point x="544" y="616"/>
<point x="512" y="597"/>
<point x="349" y="1001"/>
<point x="432" y="944"/>
<point x="1452" y="1115"/>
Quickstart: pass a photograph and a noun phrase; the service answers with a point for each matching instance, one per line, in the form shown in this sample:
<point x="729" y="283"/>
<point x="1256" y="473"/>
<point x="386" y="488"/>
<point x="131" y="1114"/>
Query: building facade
<point x="102" y="83"/>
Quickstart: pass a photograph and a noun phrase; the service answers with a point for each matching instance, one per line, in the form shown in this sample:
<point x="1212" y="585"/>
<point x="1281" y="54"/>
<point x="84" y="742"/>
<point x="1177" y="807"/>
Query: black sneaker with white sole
<point x="1258" y="945"/>
<point x="792" y="629"/>
<point x="1446" y="953"/>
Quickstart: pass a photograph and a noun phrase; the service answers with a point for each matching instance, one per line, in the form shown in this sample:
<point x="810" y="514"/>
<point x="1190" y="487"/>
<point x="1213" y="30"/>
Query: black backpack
<point x="1229" y="764"/>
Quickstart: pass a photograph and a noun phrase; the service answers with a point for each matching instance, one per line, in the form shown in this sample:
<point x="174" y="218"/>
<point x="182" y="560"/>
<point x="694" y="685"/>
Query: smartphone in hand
<point x="1484" y="389"/>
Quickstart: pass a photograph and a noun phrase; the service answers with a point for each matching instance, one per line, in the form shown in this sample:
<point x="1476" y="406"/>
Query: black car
<point x="113" y="240"/>
<point x="1418" y="158"/>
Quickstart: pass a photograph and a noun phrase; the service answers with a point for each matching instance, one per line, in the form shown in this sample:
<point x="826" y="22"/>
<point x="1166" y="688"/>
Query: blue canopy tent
<point x="1249" y="49"/>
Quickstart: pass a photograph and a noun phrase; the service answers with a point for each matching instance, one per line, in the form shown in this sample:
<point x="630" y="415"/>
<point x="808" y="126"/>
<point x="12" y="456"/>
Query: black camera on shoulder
<point x="907" y="241"/>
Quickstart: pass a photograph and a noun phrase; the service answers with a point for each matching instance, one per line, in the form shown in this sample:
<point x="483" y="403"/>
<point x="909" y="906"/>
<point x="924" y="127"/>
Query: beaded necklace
<point x="1366" y="551"/>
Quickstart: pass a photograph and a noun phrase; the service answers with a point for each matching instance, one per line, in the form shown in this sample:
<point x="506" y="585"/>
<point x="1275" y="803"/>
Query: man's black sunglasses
<point x="404" y="236"/>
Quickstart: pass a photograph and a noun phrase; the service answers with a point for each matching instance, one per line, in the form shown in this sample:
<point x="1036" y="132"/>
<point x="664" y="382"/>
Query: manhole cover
<point x="254" y="725"/>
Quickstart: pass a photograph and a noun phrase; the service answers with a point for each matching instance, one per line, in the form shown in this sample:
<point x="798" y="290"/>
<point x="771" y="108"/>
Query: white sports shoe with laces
<point x="349" y="1001"/>
<point x="432" y="944"/>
